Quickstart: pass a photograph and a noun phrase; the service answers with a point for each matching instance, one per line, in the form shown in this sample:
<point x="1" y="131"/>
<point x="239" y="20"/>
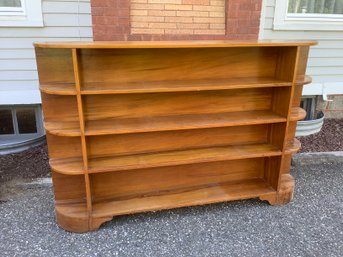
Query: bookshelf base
<point x="74" y="217"/>
<point x="284" y="195"/>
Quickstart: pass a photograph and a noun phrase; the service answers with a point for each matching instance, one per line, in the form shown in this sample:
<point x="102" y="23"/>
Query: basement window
<point x="20" y="123"/>
<point x="308" y="103"/>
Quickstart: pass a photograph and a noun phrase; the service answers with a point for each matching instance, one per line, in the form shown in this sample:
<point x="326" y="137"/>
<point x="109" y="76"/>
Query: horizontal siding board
<point x="325" y="61"/>
<point x="18" y="64"/>
<point x="326" y="53"/>
<point x="18" y="75"/>
<point x="13" y="54"/>
<point x="66" y="7"/>
<point x="67" y="20"/>
<point x="324" y="70"/>
<point x="9" y="43"/>
<point x="46" y="32"/>
<point x="19" y="85"/>
<point x="329" y="44"/>
<point x="327" y="78"/>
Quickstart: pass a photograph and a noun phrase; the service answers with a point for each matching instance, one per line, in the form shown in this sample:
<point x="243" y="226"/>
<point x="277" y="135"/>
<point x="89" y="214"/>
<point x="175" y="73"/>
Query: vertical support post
<point x="82" y="132"/>
<point x="289" y="190"/>
<point x="285" y="186"/>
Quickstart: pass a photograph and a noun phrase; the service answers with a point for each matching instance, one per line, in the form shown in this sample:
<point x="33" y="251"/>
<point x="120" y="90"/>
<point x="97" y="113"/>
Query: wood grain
<point x="58" y="88"/>
<point x="136" y="65"/>
<point x="74" y="166"/>
<point x="179" y="198"/>
<point x="143" y="126"/>
<point x="174" y="44"/>
<point x="138" y="183"/>
<point x="183" y="103"/>
<point x="55" y="65"/>
<point x="93" y="88"/>
<point x="137" y="143"/>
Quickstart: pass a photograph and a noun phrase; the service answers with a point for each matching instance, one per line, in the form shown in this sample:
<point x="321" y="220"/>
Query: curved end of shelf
<point x="58" y="88"/>
<point x="297" y="114"/>
<point x="303" y="80"/>
<point x="284" y="194"/>
<point x="70" y="166"/>
<point x="74" y="217"/>
<point x="293" y="146"/>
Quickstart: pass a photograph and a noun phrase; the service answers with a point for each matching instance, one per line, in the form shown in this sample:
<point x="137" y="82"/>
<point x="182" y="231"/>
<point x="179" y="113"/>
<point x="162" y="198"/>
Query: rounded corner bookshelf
<point x="145" y="126"/>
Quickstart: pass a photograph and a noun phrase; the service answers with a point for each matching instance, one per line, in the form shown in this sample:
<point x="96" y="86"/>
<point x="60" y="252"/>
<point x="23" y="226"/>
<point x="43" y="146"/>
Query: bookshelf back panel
<point x="64" y="147"/>
<point x="136" y="65"/>
<point x="286" y="63"/>
<point x="69" y="188"/>
<point x="139" y="183"/>
<point x="58" y="108"/>
<point x="55" y="65"/>
<point x="175" y="140"/>
<point x="164" y="104"/>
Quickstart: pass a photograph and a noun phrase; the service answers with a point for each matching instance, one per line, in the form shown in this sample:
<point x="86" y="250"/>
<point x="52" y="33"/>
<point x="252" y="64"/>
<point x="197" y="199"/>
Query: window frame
<point x="300" y="21"/>
<point x="28" y="15"/>
<point x="5" y="11"/>
<point x="16" y="136"/>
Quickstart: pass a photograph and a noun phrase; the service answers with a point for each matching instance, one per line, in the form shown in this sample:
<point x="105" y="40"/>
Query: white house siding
<point x="325" y="64"/>
<point x="64" y="20"/>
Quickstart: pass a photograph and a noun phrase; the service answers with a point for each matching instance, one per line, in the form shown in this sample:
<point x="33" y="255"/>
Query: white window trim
<point x="28" y="15"/>
<point x="299" y="21"/>
<point x="13" y="10"/>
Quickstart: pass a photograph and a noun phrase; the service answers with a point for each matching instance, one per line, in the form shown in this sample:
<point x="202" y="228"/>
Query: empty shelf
<point x="178" y="198"/>
<point x="168" y="158"/>
<point x="91" y="88"/>
<point x="179" y="85"/>
<point x="180" y="122"/>
<point x="163" y="123"/>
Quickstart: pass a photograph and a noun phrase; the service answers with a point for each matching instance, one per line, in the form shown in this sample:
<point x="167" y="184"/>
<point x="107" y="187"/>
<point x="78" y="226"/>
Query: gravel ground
<point x="312" y="225"/>
<point x="329" y="139"/>
<point x="32" y="163"/>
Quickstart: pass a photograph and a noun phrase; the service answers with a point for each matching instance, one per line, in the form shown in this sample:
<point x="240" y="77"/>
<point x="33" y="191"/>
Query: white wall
<point x="325" y="64"/>
<point x="64" y="20"/>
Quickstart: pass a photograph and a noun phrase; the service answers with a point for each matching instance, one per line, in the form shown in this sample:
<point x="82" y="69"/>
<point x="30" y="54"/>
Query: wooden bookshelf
<point x="146" y="126"/>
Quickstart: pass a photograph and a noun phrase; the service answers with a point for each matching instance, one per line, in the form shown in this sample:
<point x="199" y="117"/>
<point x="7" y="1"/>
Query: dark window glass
<point x="26" y="120"/>
<point x="6" y="123"/>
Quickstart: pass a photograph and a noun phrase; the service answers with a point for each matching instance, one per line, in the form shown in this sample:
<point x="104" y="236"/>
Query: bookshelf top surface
<point x="173" y="44"/>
